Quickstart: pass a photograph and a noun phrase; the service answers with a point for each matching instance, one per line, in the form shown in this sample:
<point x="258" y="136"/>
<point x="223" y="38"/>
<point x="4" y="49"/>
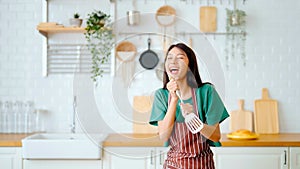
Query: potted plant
<point x="99" y="36"/>
<point x="75" y="21"/>
<point x="236" y="34"/>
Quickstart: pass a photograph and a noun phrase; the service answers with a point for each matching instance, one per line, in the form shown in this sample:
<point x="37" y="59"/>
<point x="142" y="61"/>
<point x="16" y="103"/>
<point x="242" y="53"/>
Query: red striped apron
<point x="187" y="150"/>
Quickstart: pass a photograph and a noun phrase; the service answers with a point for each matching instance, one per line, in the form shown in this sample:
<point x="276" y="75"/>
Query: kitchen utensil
<point x="208" y="19"/>
<point x="133" y="17"/>
<point x="141" y="113"/>
<point x="126" y="52"/>
<point x="241" y="119"/>
<point x="190" y="42"/>
<point x="148" y="58"/>
<point x="192" y="121"/>
<point x="165" y="15"/>
<point x="266" y="114"/>
<point x="128" y="47"/>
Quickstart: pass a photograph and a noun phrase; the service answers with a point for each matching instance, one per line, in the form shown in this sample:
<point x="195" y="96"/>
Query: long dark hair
<point x="193" y="76"/>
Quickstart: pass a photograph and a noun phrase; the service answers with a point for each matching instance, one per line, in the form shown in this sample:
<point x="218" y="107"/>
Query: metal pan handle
<point x="149" y="43"/>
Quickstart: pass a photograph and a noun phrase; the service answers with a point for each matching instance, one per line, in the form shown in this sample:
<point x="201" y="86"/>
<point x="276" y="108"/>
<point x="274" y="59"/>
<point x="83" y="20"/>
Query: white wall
<point x="272" y="58"/>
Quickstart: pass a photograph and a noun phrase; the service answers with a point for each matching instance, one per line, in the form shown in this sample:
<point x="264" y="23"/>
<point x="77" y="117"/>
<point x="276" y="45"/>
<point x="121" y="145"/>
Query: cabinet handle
<point x="151" y="158"/>
<point x="285" y="157"/>
<point x="161" y="156"/>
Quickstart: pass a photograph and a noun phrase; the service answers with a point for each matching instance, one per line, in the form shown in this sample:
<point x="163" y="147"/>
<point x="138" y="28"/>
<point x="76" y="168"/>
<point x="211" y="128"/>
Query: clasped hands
<point x="186" y="108"/>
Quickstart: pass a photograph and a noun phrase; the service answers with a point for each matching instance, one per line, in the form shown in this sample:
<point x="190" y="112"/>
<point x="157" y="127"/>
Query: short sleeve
<point x="213" y="107"/>
<point x="159" y="106"/>
<point x="215" y="111"/>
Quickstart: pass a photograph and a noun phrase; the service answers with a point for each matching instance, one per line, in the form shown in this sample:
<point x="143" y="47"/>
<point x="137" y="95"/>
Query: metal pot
<point x="75" y="22"/>
<point x="133" y="17"/>
<point x="235" y="19"/>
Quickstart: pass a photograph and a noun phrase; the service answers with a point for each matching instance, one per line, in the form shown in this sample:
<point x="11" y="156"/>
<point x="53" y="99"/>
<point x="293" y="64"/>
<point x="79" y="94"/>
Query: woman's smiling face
<point x="176" y="63"/>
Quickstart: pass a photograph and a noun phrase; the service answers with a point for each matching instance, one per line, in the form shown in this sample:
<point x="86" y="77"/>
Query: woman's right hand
<point x="172" y="87"/>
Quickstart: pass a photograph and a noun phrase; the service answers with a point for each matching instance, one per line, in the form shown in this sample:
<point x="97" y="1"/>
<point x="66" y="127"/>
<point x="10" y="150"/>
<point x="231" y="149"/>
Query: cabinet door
<point x="160" y="156"/>
<point x="129" y="157"/>
<point x="62" y="164"/>
<point x="10" y="158"/>
<point x="294" y="157"/>
<point x="251" y="157"/>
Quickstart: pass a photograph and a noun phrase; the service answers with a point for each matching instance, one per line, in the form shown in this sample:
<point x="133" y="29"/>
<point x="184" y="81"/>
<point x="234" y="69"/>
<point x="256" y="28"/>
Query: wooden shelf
<point x="46" y="30"/>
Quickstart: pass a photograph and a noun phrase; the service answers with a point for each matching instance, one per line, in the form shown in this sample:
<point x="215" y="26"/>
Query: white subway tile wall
<point x="272" y="57"/>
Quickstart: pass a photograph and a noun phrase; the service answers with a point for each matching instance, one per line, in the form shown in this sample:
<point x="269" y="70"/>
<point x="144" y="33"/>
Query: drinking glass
<point x="28" y="116"/>
<point x="8" y="117"/>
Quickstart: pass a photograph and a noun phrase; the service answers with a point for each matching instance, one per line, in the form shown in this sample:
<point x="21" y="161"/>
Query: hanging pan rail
<point x="182" y="33"/>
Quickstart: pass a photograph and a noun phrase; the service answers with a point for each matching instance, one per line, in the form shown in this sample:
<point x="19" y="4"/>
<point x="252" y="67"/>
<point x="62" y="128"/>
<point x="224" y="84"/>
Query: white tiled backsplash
<point x="272" y="51"/>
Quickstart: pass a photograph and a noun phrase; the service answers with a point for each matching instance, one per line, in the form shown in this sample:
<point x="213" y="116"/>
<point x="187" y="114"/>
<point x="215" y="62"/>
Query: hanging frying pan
<point x="148" y="58"/>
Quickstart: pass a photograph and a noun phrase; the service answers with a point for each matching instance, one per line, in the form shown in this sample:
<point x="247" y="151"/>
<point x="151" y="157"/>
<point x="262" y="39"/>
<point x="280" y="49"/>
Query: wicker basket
<point x="126" y="46"/>
<point x="165" y="11"/>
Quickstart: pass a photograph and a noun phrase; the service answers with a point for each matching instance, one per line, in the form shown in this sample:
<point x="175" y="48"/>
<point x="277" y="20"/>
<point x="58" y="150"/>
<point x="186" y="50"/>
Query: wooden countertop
<point x="12" y="140"/>
<point x="152" y="140"/>
<point x="268" y="140"/>
<point x="132" y="140"/>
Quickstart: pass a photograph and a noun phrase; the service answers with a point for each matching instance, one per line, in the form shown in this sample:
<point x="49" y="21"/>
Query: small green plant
<point x="236" y="35"/>
<point x="99" y="36"/>
<point x="76" y="15"/>
<point x="235" y="18"/>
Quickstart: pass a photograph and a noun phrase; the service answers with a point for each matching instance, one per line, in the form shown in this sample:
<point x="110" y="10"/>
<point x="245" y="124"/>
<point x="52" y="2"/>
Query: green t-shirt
<point x="210" y="107"/>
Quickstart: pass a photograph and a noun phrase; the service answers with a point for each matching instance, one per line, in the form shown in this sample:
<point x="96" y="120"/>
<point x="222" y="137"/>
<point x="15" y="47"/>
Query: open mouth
<point x="174" y="70"/>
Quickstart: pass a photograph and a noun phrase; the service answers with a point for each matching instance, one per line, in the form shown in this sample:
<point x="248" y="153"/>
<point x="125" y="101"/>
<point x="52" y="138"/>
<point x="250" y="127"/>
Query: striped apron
<point x="187" y="150"/>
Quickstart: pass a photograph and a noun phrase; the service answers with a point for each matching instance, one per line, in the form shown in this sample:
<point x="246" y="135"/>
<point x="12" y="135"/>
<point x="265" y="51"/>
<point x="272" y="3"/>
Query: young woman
<point x="181" y="73"/>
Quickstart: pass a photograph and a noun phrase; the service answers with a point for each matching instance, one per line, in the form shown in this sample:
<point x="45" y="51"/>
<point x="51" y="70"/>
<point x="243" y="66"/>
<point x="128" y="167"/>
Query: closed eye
<point x="169" y="57"/>
<point x="180" y="56"/>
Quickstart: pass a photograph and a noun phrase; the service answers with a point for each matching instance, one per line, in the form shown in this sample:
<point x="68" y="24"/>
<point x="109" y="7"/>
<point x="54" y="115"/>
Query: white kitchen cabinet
<point x="62" y="164"/>
<point x="161" y="155"/>
<point x="251" y="157"/>
<point x="294" y="157"/>
<point x="11" y="158"/>
<point x="134" y="157"/>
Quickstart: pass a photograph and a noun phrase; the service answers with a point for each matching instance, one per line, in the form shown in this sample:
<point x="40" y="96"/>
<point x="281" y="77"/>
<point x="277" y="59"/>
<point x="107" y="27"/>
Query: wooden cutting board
<point x="208" y="19"/>
<point x="141" y="114"/>
<point x="266" y="114"/>
<point x="241" y="119"/>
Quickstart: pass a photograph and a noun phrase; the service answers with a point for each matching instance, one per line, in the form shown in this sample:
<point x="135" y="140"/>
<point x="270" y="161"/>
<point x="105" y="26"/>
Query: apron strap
<point x="195" y="104"/>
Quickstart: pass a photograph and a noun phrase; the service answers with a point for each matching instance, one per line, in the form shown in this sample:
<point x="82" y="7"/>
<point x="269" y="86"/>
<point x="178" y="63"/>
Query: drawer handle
<point x="151" y="159"/>
<point x="161" y="156"/>
<point x="284" y="157"/>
